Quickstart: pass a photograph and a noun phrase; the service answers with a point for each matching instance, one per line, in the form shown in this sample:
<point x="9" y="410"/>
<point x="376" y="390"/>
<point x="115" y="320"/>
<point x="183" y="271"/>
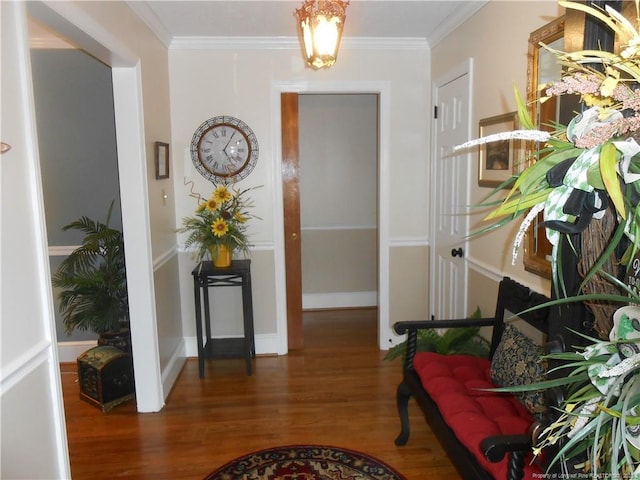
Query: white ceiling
<point x="430" y="20"/>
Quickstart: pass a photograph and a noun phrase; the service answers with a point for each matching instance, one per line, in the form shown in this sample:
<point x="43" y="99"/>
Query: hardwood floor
<point x="337" y="391"/>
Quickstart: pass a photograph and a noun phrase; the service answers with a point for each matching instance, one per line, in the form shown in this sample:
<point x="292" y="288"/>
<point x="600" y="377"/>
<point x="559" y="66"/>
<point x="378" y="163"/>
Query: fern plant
<point x="464" y="341"/>
<point x="93" y="279"/>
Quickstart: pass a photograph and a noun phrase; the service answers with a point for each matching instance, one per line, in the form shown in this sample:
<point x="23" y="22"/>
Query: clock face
<point x="224" y="148"/>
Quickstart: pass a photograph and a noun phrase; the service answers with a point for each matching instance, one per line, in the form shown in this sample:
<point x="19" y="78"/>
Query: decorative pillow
<point x="517" y="361"/>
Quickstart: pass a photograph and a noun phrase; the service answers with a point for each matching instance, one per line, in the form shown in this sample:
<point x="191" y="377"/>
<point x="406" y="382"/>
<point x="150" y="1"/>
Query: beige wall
<point x="496" y="37"/>
<point x="210" y="82"/>
<point x="339" y="200"/>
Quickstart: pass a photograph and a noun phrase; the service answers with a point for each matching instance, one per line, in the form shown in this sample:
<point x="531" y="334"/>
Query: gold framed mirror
<point x="541" y="68"/>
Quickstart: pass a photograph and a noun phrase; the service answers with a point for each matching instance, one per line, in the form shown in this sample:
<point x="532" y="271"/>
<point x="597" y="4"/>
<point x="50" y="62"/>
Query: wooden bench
<point x="457" y="408"/>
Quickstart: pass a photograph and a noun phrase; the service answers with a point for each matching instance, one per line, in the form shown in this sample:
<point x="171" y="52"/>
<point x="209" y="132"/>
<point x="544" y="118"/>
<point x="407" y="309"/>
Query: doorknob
<point x="294" y="236"/>
<point x="457" y="252"/>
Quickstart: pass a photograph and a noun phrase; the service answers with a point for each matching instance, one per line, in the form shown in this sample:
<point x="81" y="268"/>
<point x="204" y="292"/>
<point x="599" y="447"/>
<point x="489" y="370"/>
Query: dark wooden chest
<point x="105" y="375"/>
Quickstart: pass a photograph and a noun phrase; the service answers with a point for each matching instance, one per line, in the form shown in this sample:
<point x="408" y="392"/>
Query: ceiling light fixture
<point x="320" y="25"/>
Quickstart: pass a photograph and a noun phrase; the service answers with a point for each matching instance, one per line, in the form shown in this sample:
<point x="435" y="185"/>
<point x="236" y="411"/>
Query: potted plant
<point x="93" y="284"/>
<point x="585" y="173"/>
<point x="220" y="225"/>
<point x="451" y="341"/>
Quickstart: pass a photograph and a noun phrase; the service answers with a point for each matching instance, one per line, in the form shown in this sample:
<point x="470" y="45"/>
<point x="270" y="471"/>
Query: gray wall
<point x="76" y="133"/>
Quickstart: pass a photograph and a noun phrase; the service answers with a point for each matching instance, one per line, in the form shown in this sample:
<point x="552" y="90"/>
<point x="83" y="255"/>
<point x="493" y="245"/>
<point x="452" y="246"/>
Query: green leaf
<point x="523" y="112"/>
<point x="608" y="163"/>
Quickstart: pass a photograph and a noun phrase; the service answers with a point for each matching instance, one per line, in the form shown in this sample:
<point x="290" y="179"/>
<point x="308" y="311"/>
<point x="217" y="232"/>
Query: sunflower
<point x="219" y="227"/>
<point x="222" y="194"/>
<point x="212" y="204"/>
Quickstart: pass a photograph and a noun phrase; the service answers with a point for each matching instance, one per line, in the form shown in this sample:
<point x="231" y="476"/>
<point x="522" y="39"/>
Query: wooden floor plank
<point x="337" y="391"/>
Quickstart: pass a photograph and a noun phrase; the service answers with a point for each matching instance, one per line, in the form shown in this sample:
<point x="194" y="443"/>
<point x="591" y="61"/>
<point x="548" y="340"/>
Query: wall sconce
<point x="320" y="25"/>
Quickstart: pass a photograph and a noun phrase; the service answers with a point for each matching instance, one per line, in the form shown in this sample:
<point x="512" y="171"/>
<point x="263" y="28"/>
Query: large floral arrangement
<point x="597" y="430"/>
<point x="583" y="172"/>
<point x="220" y="219"/>
<point x="593" y="163"/>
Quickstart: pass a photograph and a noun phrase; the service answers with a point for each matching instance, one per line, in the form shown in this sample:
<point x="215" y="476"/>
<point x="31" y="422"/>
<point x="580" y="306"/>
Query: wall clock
<point x="224" y="149"/>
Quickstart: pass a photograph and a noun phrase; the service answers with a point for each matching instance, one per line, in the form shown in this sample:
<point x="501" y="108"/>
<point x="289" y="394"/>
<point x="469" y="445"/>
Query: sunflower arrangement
<point x="220" y="219"/>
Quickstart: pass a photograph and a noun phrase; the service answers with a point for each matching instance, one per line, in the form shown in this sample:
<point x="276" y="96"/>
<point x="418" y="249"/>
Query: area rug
<point x="305" y="462"/>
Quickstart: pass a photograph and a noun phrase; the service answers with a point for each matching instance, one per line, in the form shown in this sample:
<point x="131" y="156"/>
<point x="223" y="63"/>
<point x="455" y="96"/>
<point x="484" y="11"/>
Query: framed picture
<point x="162" y="160"/>
<point x="497" y="160"/>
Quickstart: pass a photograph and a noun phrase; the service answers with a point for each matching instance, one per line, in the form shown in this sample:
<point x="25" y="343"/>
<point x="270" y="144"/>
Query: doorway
<point x="78" y="157"/>
<point x="127" y="105"/>
<point x="338" y="143"/>
<point x="374" y="232"/>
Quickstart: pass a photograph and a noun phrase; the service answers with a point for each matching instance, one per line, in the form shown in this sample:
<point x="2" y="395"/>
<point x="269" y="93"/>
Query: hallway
<point x="337" y="391"/>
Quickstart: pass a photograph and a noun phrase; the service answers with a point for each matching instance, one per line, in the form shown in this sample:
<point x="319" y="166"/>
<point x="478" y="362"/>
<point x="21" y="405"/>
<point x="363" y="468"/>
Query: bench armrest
<point x="407" y="326"/>
<point x="497" y="446"/>
<point x="411" y="329"/>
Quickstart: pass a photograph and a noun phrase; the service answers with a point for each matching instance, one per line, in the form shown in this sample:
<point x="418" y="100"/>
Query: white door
<point x="450" y="196"/>
<point x="33" y="443"/>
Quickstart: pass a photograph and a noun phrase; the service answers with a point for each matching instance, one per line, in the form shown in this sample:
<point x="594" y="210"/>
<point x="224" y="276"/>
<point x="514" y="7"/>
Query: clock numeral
<point x="209" y="158"/>
<point x="219" y="132"/>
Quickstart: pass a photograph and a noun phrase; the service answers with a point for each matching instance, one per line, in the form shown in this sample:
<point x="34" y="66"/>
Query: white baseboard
<point x="172" y="370"/>
<point x="70" y="351"/>
<point x="266" y="344"/>
<point x="312" y="301"/>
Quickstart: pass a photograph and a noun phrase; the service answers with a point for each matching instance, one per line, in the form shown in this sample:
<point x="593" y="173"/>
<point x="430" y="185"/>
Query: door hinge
<point x="435" y="112"/>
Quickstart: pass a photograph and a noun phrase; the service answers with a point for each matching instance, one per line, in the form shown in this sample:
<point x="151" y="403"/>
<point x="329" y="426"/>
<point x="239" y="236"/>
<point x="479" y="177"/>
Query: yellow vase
<point x="221" y="255"/>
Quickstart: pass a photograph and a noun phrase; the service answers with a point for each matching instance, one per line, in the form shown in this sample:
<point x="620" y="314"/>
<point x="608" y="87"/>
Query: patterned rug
<point x="305" y="462"/>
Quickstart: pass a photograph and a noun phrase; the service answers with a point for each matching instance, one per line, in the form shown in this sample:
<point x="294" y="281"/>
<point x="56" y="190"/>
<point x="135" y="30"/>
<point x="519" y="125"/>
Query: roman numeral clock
<point x="224" y="149"/>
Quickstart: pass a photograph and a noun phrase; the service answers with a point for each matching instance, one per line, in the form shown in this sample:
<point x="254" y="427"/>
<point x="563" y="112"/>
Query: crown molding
<point x="454" y="21"/>
<point x="151" y="20"/>
<point x="292" y="43"/>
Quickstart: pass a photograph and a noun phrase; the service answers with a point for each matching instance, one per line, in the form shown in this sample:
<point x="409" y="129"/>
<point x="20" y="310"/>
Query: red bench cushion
<point x="453" y="382"/>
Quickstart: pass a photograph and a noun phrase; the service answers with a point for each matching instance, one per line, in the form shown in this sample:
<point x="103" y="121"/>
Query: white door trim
<point x="383" y="90"/>
<point x="72" y="22"/>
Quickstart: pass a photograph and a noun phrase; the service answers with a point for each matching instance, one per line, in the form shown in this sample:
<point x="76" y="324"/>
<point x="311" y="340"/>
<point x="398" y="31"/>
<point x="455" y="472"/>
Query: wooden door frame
<point x="386" y="336"/>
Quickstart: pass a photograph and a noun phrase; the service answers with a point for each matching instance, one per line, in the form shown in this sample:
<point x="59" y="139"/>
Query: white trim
<point x="339" y="227"/>
<point x="174" y="366"/>
<point x="82" y="30"/>
<point x="293" y="43"/>
<point x="281" y="340"/>
<point x="69" y="19"/>
<point x="314" y="301"/>
<point x="462" y="14"/>
<point x="383" y="90"/>
<point x="15" y="33"/>
<point x="496" y="275"/>
<point x="151" y="20"/>
<point x="21" y="366"/>
<point x="409" y="242"/>
<point x="158" y="262"/>
<point x="164" y="257"/>
<point x="127" y="100"/>
<point x="266" y="344"/>
<point x="70" y="351"/>
<point x="61" y="250"/>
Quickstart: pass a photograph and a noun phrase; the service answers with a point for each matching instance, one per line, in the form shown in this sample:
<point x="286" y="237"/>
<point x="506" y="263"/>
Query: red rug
<point x="305" y="462"/>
